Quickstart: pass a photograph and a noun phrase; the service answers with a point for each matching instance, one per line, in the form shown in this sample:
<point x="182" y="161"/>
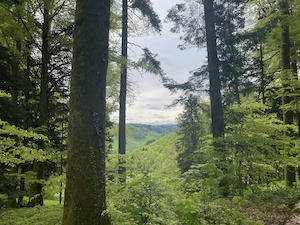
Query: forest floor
<point x="255" y="208"/>
<point x="269" y="212"/>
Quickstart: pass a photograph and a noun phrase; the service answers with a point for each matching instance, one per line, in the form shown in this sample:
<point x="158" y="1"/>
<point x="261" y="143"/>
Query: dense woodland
<point x="234" y="158"/>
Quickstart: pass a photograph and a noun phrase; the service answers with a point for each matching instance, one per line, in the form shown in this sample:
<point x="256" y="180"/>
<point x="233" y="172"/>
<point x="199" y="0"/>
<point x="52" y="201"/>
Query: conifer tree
<point x="213" y="70"/>
<point x="192" y="126"/>
<point x="38" y="167"/>
<point x="123" y="86"/>
<point x="288" y="117"/>
<point x="190" y="21"/>
<point x="146" y="9"/>
<point x="50" y="12"/>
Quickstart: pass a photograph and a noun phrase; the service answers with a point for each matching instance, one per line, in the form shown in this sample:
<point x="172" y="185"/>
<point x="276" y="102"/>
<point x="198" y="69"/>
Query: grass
<point x="54" y="200"/>
<point x="50" y="202"/>
<point x="47" y="202"/>
<point x="159" y="156"/>
<point x="133" y="143"/>
<point x="38" y="215"/>
<point x="50" y="214"/>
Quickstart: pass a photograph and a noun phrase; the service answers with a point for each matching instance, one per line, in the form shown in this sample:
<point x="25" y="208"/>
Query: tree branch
<point x="24" y="24"/>
<point x="58" y="10"/>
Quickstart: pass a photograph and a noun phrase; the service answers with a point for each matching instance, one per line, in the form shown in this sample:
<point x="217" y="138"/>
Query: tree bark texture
<point x="213" y="69"/>
<point x="123" y="88"/>
<point x="288" y="117"/>
<point x="85" y="185"/>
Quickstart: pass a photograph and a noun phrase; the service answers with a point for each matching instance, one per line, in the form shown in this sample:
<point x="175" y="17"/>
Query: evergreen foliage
<point x="194" y="172"/>
<point x="146" y="9"/>
<point x="192" y="125"/>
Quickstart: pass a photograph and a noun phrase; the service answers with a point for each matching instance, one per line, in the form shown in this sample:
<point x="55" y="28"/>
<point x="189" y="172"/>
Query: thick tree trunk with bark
<point x="85" y="185"/>
<point x="123" y="88"/>
<point x="213" y="69"/>
<point x="288" y="117"/>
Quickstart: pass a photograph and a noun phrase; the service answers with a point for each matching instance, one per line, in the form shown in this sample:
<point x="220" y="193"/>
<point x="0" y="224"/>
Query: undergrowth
<point x="143" y="200"/>
<point x="38" y="215"/>
<point x="150" y="198"/>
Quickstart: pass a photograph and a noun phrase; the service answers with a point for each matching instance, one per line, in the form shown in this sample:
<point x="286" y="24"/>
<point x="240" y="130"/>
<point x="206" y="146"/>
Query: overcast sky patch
<point x="152" y="97"/>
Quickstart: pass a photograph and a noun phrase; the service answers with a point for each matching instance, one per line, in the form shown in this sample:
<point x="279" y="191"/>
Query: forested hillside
<point x="233" y="155"/>
<point x="142" y="134"/>
<point x="160" y="129"/>
<point x="159" y="156"/>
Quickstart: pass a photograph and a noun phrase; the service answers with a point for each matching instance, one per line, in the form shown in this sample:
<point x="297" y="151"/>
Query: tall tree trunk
<point x="261" y="65"/>
<point x="22" y="186"/>
<point x="14" y="96"/>
<point x="26" y="118"/>
<point x="297" y="90"/>
<point x="15" y="73"/>
<point x="233" y="52"/>
<point x="213" y="69"/>
<point x="123" y="88"/>
<point x="11" y="200"/>
<point x="61" y="157"/>
<point x="85" y="185"/>
<point x="38" y="167"/>
<point x="27" y="75"/>
<point x="289" y="172"/>
<point x="215" y="86"/>
<point x="296" y="83"/>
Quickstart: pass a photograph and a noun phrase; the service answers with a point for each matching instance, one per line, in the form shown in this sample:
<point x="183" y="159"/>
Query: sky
<point x="151" y="98"/>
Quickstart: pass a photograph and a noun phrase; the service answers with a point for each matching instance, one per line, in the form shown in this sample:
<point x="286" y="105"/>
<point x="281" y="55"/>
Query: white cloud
<point x="156" y="116"/>
<point x="150" y="103"/>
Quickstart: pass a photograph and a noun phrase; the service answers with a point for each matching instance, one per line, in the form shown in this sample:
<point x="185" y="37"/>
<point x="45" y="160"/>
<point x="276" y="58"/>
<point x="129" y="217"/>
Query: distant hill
<point x="161" y="129"/>
<point x="140" y="131"/>
<point x="159" y="156"/>
<point x="143" y="134"/>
